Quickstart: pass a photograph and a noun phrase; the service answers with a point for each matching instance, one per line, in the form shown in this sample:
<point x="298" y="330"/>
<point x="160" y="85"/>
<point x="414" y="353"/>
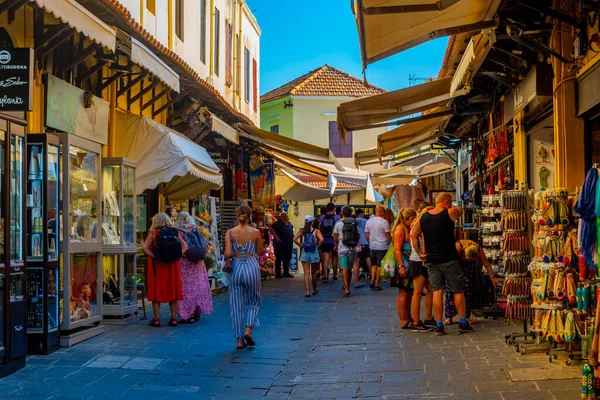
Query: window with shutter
<point x="228" y="49"/>
<point x="337" y="147"/>
<point x="217" y="40"/>
<point x="275" y="129"/>
<point x="203" y="31"/>
<point x="254" y="85"/>
<point x="247" y="74"/>
<point x="179" y="9"/>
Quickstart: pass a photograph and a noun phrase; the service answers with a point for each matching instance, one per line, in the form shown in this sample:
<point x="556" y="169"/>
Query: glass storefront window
<point x="35" y="202"/>
<point x="111" y="218"/>
<point x="111" y="296"/>
<point x="16" y="212"/>
<point x="17" y="286"/>
<point x="84" y="277"/>
<point x="83" y="181"/>
<point x="129" y="205"/>
<point x="2" y="280"/>
<point x="53" y="315"/>
<point x="130" y="292"/>
<point x="35" y="299"/>
<point x="53" y="197"/>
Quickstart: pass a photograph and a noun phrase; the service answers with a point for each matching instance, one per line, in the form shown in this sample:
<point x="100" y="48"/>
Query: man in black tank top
<point x="441" y="258"/>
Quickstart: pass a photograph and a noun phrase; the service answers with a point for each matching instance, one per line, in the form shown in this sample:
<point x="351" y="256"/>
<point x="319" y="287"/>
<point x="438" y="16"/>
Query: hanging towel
<point x="586" y="208"/>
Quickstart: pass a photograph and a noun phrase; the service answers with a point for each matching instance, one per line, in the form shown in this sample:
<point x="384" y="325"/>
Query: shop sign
<point x="369" y="209"/>
<point x="221" y="158"/>
<point x="294" y="260"/>
<point x="66" y="111"/>
<point x="16" y="79"/>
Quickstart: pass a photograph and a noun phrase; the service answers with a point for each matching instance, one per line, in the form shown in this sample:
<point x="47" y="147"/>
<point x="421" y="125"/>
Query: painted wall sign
<point x="16" y="79"/>
<point x="65" y="111"/>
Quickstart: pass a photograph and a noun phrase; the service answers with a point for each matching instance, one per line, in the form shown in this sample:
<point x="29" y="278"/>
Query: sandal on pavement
<point x="307" y="295"/>
<point x="173" y="322"/>
<point x="378" y="288"/>
<point x="315" y="292"/>
<point x="359" y="285"/>
<point x="241" y="346"/>
<point x="155" y="323"/>
<point x="249" y="339"/>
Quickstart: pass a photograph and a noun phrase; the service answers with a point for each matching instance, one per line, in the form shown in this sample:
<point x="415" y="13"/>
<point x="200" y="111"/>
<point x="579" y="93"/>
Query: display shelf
<point x="80" y="239"/>
<point x="13" y="265"/>
<point x="42" y="204"/>
<point x="119" y="289"/>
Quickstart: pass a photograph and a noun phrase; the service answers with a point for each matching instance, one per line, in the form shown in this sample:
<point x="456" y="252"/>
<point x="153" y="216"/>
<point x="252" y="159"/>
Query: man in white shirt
<point x="378" y="235"/>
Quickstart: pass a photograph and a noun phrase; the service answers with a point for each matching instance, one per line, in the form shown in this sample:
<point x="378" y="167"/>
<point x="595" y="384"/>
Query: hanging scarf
<point x="586" y="208"/>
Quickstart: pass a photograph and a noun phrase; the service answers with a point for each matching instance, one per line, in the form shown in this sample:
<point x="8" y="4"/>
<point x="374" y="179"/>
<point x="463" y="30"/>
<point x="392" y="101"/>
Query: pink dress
<point x="196" y="289"/>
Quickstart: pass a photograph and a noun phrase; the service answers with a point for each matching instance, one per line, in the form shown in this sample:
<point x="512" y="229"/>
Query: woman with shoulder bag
<point x="164" y="246"/>
<point x="311" y="237"/>
<point x="402" y="248"/>
<point x="197" y="297"/>
<point x="243" y="244"/>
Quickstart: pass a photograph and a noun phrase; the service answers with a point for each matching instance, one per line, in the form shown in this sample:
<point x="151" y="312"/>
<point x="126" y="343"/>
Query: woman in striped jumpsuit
<point x="244" y="288"/>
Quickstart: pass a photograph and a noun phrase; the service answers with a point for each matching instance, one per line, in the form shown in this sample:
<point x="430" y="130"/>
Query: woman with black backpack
<point x="311" y="237"/>
<point x="197" y="297"/>
<point x="164" y="246"/>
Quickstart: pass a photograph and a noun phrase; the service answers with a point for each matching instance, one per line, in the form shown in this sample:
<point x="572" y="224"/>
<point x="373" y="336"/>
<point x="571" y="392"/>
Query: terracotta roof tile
<point x="321" y="183"/>
<point x="324" y="81"/>
<point x="154" y="44"/>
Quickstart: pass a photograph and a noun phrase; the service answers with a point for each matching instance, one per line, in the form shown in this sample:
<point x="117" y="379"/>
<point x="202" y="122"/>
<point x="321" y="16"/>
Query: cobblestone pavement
<point x="324" y="347"/>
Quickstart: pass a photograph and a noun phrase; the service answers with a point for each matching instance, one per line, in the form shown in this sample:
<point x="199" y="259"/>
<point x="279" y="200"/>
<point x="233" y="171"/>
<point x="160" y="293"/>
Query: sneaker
<point x="420" y="327"/>
<point x="439" y="331"/>
<point x="430" y="323"/>
<point x="372" y="285"/>
<point x="465" y="328"/>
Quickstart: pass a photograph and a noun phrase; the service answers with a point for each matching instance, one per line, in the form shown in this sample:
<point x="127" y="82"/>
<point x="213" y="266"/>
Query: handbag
<point x="228" y="266"/>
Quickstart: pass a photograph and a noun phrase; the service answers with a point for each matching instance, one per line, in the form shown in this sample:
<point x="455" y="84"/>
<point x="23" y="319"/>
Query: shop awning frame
<point x="142" y="56"/>
<point x="77" y="17"/>
<point x="166" y="159"/>
<point x="293" y="162"/>
<point x="374" y="111"/>
<point x="387" y="27"/>
<point x="276" y="142"/>
<point x="302" y="191"/>
<point x="221" y="127"/>
<point x="410" y="135"/>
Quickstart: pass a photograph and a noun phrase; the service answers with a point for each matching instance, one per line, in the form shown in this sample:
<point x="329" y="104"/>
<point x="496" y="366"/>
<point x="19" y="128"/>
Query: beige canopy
<point x="387" y="27"/>
<point x="364" y="113"/>
<point x="410" y="135"/>
<point x="164" y="157"/>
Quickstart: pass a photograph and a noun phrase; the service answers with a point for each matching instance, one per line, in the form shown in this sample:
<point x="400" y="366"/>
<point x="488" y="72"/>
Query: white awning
<point x="142" y="56"/>
<point x="387" y="27"/>
<point x="83" y="21"/>
<point x="165" y="157"/>
<point x="422" y="167"/>
<point x="222" y="128"/>
<point x="301" y="191"/>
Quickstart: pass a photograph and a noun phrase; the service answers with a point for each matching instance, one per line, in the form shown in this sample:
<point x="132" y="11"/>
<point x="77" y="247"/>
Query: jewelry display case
<point x="13" y="301"/>
<point x="42" y="204"/>
<point x="80" y="240"/>
<point x="119" y="296"/>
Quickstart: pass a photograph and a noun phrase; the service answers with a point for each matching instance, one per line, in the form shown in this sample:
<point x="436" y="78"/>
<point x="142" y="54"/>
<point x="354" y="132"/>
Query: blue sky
<point x="297" y="38"/>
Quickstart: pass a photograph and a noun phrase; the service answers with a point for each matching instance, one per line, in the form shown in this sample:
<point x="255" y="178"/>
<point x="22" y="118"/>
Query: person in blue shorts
<point x="308" y="239"/>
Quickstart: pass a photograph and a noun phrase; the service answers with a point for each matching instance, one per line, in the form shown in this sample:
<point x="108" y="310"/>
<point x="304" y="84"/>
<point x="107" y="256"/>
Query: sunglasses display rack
<point x="557" y="292"/>
<point x="516" y="258"/>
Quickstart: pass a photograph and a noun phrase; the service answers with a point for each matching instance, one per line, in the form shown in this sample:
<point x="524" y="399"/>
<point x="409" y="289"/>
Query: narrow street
<point x="324" y="347"/>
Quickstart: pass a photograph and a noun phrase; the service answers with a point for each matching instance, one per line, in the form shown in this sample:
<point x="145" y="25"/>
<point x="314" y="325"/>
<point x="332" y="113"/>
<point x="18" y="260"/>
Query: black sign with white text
<point x="16" y="79"/>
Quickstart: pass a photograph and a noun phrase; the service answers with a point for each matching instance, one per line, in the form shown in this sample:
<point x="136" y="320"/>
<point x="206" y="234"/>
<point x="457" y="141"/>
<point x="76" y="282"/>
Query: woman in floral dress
<point x="197" y="297"/>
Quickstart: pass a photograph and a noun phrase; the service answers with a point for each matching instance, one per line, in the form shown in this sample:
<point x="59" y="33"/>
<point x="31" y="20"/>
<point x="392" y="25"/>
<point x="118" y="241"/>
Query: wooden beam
<point x="108" y="81"/>
<point x="144" y="91"/>
<point x="131" y="84"/>
<point x="79" y="58"/>
<point x="57" y="42"/>
<point x="173" y="100"/>
<point x="13" y="10"/>
<point x="7" y="5"/>
<point x="155" y="98"/>
<point x="91" y="71"/>
<point x="53" y="32"/>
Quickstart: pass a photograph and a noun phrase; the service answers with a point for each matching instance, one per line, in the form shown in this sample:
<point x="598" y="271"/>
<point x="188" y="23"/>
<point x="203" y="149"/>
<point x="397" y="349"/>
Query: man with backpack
<point x="326" y="225"/>
<point x="347" y="239"/>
